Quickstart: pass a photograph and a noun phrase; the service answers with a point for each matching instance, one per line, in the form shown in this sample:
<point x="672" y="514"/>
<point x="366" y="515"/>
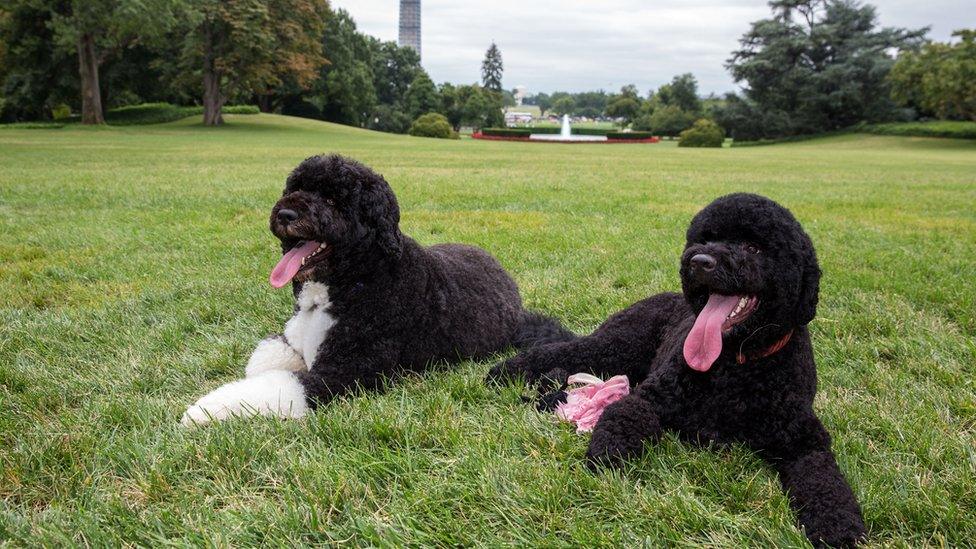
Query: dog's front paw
<point x="274" y="353"/>
<point x="606" y="450"/>
<point x="549" y="401"/>
<point x="276" y="393"/>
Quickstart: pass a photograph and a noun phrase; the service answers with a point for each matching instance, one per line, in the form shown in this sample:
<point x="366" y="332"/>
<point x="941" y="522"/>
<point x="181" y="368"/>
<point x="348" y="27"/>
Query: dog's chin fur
<point x="375" y="302"/>
<point x="765" y="403"/>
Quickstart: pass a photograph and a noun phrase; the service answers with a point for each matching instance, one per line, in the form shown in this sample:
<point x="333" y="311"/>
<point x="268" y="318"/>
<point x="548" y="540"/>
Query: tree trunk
<point x="265" y="101"/>
<point x="91" y="99"/>
<point x="213" y="101"/>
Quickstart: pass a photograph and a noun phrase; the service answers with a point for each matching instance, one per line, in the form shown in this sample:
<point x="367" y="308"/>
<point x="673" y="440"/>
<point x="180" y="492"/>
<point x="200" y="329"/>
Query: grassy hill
<point x="133" y="278"/>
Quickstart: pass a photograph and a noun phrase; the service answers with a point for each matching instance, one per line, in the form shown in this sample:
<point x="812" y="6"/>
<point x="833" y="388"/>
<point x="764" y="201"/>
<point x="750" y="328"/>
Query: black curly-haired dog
<point x="370" y="301"/>
<point x="729" y="361"/>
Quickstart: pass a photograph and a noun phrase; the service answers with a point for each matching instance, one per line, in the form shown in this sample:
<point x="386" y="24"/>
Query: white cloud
<point x="582" y="45"/>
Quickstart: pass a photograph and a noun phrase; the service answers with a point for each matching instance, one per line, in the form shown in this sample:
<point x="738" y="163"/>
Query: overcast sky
<point x="577" y="45"/>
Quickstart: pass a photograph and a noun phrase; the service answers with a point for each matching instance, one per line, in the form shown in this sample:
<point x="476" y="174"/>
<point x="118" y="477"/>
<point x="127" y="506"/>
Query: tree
<point x="245" y="45"/>
<point x="625" y="105"/>
<point x="564" y="105"/>
<point x="345" y="90"/>
<point x="544" y="103"/>
<point x="681" y="92"/>
<point x="94" y="29"/>
<point x="394" y="70"/>
<point x="940" y="79"/>
<point x="36" y="74"/>
<point x="819" y="65"/>
<point x="422" y="96"/>
<point x="491" y="69"/>
<point x="670" y="120"/>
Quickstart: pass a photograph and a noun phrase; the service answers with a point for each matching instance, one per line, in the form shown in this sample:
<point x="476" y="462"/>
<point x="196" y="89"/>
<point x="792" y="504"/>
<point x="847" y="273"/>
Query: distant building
<point x="520" y="93"/>
<point x="410" y="24"/>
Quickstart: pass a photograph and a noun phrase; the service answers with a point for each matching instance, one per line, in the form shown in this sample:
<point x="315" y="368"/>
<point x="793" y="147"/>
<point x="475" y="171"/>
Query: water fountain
<point x="566" y="134"/>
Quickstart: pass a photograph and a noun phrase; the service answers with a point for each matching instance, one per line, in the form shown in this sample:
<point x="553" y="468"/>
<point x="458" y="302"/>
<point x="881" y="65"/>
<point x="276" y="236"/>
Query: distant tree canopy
<point x="816" y="65"/>
<point x="253" y="45"/>
<point x="940" y="79"/>
<point x="492" y="68"/>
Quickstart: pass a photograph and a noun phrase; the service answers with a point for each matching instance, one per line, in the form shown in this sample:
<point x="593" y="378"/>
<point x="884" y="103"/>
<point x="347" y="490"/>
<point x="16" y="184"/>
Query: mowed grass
<point x="133" y="278"/>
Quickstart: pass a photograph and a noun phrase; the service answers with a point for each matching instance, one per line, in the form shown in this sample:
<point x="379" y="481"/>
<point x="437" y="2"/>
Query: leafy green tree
<point x="451" y="104"/>
<point x="387" y="118"/>
<point x="36" y="74"/>
<point x="819" y="65"/>
<point x="491" y="69"/>
<point x="394" y="70"/>
<point x="252" y="45"/>
<point x="940" y="79"/>
<point x="682" y="91"/>
<point x="563" y="105"/>
<point x="94" y="29"/>
<point x="346" y="90"/>
<point x="544" y="103"/>
<point x="670" y="120"/>
<point x="625" y="105"/>
<point x="422" y="97"/>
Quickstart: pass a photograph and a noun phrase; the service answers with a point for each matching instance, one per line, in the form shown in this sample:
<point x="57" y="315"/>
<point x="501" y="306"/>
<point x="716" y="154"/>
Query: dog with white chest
<point x="370" y="301"/>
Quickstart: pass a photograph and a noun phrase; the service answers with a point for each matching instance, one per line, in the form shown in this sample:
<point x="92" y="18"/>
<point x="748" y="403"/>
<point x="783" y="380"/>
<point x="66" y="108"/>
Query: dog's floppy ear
<point x="380" y="210"/>
<point x="806" y="304"/>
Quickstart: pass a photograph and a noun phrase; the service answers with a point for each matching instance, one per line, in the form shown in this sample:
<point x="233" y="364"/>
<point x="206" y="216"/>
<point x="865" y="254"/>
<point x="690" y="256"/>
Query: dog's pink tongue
<point x="290" y="263"/>
<point x="704" y="341"/>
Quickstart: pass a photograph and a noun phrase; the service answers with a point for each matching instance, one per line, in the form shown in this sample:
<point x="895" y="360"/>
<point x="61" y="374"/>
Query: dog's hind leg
<point x="274" y="353"/>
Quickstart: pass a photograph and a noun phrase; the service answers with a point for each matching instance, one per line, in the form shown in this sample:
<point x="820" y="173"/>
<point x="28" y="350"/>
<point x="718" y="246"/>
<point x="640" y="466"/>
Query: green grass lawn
<point x="133" y="279"/>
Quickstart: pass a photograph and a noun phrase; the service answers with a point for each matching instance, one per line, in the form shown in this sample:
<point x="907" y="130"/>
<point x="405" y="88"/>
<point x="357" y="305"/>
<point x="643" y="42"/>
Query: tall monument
<point x="410" y="24"/>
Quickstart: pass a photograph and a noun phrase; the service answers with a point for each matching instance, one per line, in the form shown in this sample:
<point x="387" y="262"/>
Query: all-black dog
<point x="369" y="300"/>
<point x="729" y="361"/>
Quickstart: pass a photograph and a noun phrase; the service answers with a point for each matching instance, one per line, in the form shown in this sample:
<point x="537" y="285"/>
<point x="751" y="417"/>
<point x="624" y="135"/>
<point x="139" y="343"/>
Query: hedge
<point x="934" y="128"/>
<point x="629" y="135"/>
<point x="507" y="132"/>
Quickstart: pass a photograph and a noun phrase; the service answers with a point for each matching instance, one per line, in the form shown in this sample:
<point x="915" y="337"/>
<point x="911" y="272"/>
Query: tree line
<point x="812" y="66"/>
<point x="297" y="57"/>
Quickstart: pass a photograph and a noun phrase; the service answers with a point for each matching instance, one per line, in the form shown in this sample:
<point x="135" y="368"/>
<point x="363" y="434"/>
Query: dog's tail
<point x="539" y="329"/>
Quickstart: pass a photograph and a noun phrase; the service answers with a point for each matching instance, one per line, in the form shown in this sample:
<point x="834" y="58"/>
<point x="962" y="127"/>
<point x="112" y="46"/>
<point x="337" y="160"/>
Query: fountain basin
<point x="572" y="137"/>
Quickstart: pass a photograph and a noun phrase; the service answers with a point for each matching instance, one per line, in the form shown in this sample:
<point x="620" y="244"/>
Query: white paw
<point x="276" y="393"/>
<point x="274" y="354"/>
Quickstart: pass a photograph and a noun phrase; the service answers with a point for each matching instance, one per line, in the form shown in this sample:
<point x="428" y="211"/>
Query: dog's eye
<point x="330" y="201"/>
<point x="751" y="248"/>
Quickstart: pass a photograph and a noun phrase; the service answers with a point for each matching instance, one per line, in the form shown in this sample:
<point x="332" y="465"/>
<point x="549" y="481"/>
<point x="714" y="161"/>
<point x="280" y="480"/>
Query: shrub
<point x="158" y="113"/>
<point x="432" y="124"/>
<point x="703" y="133"/>
<point x="642" y="123"/>
<point x="241" y="109"/>
<point x="935" y="128"/>
<point x="61" y="112"/>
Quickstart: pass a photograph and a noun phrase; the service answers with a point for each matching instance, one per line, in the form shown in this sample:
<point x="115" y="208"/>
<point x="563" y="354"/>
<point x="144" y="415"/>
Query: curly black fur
<point x="766" y="403"/>
<point x="398" y="305"/>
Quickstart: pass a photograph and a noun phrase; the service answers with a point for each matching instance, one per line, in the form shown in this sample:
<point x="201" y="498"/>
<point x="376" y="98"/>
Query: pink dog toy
<point x="585" y="404"/>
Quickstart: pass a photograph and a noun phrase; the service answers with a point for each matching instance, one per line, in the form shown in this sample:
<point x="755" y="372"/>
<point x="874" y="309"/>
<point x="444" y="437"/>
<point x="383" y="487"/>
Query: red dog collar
<point x="772" y="349"/>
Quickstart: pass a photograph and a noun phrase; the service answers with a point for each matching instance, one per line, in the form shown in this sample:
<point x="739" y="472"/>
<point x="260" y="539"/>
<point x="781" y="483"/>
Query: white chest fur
<point x="306" y="330"/>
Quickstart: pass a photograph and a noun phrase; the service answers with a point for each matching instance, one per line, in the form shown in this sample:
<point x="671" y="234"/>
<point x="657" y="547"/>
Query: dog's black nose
<point x="286" y="216"/>
<point x="703" y="262"/>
